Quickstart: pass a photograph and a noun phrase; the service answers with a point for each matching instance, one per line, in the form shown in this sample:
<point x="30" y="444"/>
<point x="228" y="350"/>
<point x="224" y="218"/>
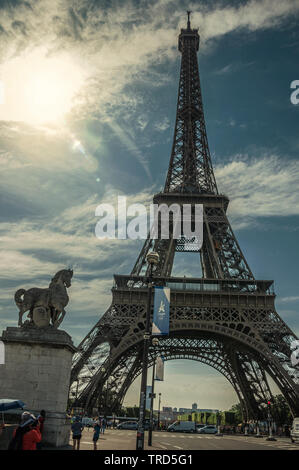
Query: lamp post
<point x="270" y="420"/>
<point x="159" y="411"/>
<point x="155" y="342"/>
<point x="218" y="418"/>
<point x="152" y="259"/>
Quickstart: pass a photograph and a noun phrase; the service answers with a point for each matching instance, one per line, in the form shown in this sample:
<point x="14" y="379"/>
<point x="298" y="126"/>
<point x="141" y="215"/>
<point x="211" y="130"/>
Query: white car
<point x="209" y="429"/>
<point x="88" y="422"/>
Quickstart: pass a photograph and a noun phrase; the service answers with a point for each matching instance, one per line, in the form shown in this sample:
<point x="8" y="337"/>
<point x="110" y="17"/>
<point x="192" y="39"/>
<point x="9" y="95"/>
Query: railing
<point x="197" y="284"/>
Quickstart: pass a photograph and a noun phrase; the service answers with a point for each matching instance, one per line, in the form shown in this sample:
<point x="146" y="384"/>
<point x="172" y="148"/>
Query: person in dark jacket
<point x="77" y="428"/>
<point x="41" y="419"/>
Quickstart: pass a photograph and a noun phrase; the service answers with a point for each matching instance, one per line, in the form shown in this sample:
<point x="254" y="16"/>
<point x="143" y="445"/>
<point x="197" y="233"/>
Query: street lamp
<point x="159" y="411"/>
<point x="155" y="342"/>
<point x="152" y="259"/>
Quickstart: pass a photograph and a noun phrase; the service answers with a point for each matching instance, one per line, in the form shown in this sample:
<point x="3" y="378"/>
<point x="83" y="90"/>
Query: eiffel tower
<point x="225" y="318"/>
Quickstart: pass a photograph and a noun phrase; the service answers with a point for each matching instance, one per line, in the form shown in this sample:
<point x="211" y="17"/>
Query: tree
<point x="238" y="412"/>
<point x="281" y="413"/>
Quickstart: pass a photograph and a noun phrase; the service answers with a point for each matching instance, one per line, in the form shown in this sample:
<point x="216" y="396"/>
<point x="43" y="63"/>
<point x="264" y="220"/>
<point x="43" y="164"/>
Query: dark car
<point x="128" y="425"/>
<point x="200" y="426"/>
<point x="132" y="425"/>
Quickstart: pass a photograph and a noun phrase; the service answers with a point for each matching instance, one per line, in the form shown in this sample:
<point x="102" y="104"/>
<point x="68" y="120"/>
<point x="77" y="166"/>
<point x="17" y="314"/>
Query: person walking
<point x="77" y="428"/>
<point x="104" y="425"/>
<point x="96" y="434"/>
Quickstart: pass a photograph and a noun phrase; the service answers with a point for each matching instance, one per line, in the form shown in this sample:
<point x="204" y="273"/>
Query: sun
<point x="38" y="88"/>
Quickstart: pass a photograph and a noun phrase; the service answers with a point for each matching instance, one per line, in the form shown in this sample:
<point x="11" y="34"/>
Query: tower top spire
<point x="190" y="168"/>
<point x="188" y="22"/>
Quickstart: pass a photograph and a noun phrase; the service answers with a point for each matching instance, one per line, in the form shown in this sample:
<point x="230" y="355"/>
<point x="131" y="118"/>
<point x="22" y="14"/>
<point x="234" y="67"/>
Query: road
<point x="126" y="440"/>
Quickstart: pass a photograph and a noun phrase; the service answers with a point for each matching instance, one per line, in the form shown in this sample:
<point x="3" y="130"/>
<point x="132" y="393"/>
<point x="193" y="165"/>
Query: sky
<point x="88" y="94"/>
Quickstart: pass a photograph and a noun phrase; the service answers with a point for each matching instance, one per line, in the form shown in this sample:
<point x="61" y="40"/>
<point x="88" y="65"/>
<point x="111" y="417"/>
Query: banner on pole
<point x="147" y="397"/>
<point x="161" y="311"/>
<point x="159" y="375"/>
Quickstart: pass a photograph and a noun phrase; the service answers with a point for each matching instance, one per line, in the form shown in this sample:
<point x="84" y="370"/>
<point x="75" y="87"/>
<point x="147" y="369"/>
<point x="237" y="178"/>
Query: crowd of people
<point x="28" y="434"/>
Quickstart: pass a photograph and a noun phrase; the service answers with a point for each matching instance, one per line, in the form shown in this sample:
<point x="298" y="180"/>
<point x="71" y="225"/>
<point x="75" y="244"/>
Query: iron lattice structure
<point x="225" y="318"/>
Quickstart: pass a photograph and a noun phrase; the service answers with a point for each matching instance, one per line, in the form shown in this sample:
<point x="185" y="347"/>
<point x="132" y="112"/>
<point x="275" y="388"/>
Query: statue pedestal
<point x="37" y="371"/>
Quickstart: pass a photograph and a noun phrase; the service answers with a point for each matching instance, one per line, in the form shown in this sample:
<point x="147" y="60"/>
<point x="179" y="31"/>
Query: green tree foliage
<point x="281" y="413"/>
<point x="236" y="409"/>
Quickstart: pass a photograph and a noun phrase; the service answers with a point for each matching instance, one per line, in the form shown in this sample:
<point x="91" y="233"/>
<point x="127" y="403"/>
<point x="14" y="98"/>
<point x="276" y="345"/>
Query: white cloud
<point x="292" y="298"/>
<point x="118" y="46"/>
<point x="260" y="187"/>
<point x="162" y="125"/>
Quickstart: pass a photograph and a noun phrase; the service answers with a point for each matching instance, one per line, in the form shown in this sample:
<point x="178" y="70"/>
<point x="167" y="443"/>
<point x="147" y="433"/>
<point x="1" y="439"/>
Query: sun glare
<point x="38" y="89"/>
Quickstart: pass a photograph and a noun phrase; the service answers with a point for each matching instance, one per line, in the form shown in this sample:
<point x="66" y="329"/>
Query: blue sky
<point x="89" y="98"/>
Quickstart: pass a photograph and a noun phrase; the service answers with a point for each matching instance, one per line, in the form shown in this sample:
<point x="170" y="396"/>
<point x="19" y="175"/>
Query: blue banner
<point x="161" y="311"/>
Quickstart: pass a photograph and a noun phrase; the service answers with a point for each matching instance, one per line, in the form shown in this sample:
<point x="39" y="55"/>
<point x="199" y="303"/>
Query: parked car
<point x="88" y="422"/>
<point x="200" y="426"/>
<point x="295" y="430"/>
<point x="209" y="429"/>
<point x="128" y="425"/>
<point x="182" y="426"/>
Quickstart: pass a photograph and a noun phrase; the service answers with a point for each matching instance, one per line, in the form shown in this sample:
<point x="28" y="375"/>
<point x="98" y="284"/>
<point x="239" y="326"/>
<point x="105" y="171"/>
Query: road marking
<point x="177" y="447"/>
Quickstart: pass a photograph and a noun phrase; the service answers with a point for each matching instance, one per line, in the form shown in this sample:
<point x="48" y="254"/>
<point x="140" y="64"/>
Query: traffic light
<point x="269" y="408"/>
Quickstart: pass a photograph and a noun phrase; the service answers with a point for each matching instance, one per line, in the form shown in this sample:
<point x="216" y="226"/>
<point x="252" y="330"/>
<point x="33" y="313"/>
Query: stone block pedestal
<point x="37" y="371"/>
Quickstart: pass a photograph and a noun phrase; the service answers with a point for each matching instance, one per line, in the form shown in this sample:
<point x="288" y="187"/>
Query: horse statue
<point x="45" y="304"/>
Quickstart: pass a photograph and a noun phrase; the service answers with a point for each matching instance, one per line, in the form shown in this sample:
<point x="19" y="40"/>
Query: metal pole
<point x="159" y="412"/>
<point x="147" y="335"/>
<point x="150" y="431"/>
<point x="270" y="437"/>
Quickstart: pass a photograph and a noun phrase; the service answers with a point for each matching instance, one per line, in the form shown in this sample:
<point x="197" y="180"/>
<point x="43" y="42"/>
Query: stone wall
<point x="37" y="371"/>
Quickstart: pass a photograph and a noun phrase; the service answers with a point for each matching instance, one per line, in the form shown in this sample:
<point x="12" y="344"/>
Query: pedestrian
<point x="77" y="428"/>
<point x="96" y="434"/>
<point x="103" y="425"/>
<point x="27" y="434"/>
<point x="41" y="419"/>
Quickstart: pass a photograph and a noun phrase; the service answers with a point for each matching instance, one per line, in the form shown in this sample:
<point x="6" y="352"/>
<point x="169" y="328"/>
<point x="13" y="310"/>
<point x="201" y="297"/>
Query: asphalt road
<point x="126" y="440"/>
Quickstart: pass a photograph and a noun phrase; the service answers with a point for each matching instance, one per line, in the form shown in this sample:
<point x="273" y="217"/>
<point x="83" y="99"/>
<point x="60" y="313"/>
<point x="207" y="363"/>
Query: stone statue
<point x="45" y="305"/>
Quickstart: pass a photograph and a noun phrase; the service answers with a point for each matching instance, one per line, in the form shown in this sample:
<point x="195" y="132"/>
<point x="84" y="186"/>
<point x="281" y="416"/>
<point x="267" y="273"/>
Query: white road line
<point x="177" y="447"/>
